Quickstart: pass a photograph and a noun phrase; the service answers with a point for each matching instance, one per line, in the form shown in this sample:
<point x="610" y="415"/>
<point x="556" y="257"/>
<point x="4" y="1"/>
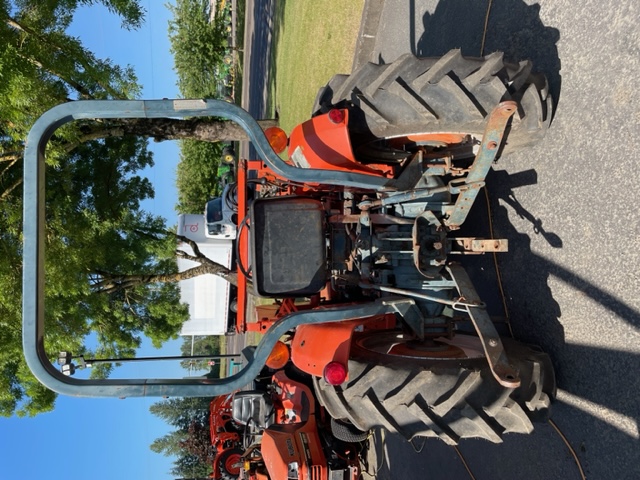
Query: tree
<point x="190" y="442"/>
<point x="190" y="467"/>
<point x="197" y="175"/>
<point x="202" y="345"/>
<point x="106" y="281"/>
<point x="198" y="47"/>
<point x="198" y="443"/>
<point x="170" y="445"/>
<point x="41" y="67"/>
<point x="198" y="44"/>
<point x="94" y="221"/>
<point x="110" y="267"/>
<point x="180" y="412"/>
<point x="95" y="224"/>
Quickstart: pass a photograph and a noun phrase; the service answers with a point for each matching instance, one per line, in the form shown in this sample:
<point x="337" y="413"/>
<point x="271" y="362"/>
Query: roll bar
<point x="33" y="281"/>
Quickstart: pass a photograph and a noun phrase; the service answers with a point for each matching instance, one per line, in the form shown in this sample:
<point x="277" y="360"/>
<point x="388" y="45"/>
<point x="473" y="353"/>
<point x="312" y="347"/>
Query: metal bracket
<point x="491" y="140"/>
<point x="409" y="312"/>
<point x="476" y="246"/>
<point x="502" y="370"/>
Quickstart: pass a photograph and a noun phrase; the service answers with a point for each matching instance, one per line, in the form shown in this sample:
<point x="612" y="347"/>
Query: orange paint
<point x="320" y="143"/>
<point x="314" y="346"/>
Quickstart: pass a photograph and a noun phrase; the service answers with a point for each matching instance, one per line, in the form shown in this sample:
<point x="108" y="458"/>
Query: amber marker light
<point x="277" y="139"/>
<point x="279" y="356"/>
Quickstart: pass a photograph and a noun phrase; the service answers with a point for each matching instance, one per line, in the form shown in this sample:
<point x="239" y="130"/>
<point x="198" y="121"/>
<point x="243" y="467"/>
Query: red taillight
<point x="335" y="373"/>
<point x="336" y="116"/>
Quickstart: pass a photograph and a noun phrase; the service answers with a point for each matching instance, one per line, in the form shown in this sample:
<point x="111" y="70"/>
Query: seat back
<point x="253" y="409"/>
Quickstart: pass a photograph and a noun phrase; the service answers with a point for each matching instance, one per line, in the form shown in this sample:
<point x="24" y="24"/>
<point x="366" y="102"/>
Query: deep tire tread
<point x="439" y="70"/>
<point x="492" y="65"/>
<point x="448" y="401"/>
<point x="347" y="432"/>
<point x="447" y="94"/>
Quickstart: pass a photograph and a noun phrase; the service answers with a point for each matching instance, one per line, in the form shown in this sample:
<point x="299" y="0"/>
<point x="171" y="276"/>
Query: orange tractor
<point x="278" y="429"/>
<point x="225" y="438"/>
<point x="354" y="237"/>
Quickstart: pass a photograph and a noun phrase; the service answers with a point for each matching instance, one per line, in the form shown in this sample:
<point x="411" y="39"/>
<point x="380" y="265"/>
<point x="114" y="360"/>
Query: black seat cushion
<point x="288" y="246"/>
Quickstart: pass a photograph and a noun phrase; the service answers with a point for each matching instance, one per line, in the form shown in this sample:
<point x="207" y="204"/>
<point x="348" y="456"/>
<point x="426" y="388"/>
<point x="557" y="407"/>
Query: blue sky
<point x="107" y="438"/>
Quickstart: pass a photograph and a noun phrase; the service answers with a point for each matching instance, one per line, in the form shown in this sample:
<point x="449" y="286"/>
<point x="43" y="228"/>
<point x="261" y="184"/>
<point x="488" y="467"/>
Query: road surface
<point x="569" y="209"/>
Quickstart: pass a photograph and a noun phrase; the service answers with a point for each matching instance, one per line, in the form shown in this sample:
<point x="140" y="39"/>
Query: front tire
<point x="347" y="432"/>
<point x="228" y="462"/>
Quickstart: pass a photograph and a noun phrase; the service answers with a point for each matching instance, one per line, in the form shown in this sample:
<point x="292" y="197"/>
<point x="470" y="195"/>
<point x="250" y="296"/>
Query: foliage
<point x="190" y="442"/>
<point x="95" y="225"/>
<point x="94" y="221"/>
<point x="190" y="466"/>
<point x="197" y="175"/>
<point x="180" y="412"/>
<point x="42" y="66"/>
<point x="170" y="444"/>
<point x="45" y="13"/>
<point x="202" y="345"/>
<point x="198" y="47"/>
<point x="198" y="443"/>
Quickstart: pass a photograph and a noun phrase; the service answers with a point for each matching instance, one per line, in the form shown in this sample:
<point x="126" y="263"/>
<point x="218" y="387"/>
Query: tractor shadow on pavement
<point x="598" y="391"/>
<point x="598" y="409"/>
<point x="597" y="383"/>
<point x="513" y="27"/>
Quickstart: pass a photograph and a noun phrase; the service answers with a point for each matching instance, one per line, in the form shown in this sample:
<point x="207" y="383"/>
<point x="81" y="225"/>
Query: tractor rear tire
<point x="451" y="94"/>
<point x="451" y="399"/>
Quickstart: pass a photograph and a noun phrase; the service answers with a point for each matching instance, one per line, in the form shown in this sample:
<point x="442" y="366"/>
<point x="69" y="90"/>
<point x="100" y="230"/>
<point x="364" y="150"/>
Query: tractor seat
<point x="253" y="409"/>
<point x="288" y="246"/>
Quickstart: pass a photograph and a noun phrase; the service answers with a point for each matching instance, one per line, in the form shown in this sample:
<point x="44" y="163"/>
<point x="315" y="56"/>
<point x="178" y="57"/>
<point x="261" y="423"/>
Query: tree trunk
<point x="111" y="283"/>
<point x="173" y="129"/>
<point x="106" y="282"/>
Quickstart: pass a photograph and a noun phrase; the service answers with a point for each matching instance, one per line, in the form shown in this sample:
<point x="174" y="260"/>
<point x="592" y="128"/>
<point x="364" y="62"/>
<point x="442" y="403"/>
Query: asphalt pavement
<point x="258" y="36"/>
<point x="569" y="209"/>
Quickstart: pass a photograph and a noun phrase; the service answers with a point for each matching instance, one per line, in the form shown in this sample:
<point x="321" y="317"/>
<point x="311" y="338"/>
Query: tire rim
<point x="403" y="346"/>
<point x="398" y="149"/>
<point x="232" y="464"/>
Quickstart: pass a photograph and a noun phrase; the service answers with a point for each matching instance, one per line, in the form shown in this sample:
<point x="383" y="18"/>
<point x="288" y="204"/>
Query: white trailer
<point x="211" y="299"/>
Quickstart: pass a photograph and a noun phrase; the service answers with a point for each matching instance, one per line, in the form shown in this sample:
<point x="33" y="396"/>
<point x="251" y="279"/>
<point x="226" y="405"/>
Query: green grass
<point x="313" y="41"/>
<point x="237" y="79"/>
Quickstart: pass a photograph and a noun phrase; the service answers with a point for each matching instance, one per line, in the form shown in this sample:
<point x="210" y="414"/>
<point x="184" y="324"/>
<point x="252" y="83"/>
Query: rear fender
<point x="323" y="144"/>
<point x="314" y="346"/>
<point x="295" y="402"/>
